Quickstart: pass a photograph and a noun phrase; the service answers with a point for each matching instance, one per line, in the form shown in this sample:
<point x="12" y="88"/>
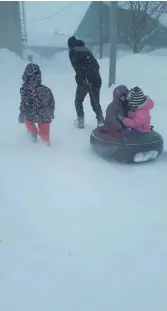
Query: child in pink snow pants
<point x="37" y="104"/>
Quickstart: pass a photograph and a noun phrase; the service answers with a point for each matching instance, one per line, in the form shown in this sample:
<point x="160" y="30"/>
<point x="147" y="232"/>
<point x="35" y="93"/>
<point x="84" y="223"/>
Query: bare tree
<point x="142" y="21"/>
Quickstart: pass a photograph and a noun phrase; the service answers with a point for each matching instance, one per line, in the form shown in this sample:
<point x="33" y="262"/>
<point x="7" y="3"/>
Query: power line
<point x="50" y="16"/>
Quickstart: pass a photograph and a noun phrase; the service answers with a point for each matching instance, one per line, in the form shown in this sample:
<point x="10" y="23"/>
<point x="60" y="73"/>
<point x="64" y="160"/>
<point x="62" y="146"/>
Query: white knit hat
<point x="137" y="97"/>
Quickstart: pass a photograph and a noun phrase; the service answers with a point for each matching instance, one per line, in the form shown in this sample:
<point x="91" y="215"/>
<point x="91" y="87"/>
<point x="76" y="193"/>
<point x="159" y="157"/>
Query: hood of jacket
<point x="32" y="75"/>
<point x="115" y="107"/>
<point x="147" y="105"/>
<point x="80" y="43"/>
<point x="119" y="91"/>
<point x="73" y="42"/>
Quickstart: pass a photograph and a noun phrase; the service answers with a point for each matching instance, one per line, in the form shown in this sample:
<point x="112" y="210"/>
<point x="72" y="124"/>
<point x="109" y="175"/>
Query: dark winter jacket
<point x="37" y="101"/>
<point x="116" y="106"/>
<point x="84" y="63"/>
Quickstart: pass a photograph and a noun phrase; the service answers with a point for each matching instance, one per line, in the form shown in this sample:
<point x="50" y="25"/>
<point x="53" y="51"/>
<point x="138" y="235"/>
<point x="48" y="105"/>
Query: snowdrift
<point x="75" y="232"/>
<point x="11" y="65"/>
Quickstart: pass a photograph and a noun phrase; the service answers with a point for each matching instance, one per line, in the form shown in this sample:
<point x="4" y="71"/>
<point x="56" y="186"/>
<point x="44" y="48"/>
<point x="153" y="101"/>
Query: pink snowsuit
<point x="140" y="120"/>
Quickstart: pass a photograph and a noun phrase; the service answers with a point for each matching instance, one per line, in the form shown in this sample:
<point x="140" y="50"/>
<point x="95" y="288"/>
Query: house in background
<point x="88" y="17"/>
<point x="47" y="46"/>
<point x="89" y="28"/>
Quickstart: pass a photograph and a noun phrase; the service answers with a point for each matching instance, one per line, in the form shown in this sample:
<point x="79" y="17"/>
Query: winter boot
<point x="80" y="122"/>
<point x="47" y="142"/>
<point x="34" y="137"/>
<point x="100" y="121"/>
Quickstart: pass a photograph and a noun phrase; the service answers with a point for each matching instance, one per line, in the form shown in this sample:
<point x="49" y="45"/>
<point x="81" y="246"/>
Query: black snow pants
<point x="94" y="93"/>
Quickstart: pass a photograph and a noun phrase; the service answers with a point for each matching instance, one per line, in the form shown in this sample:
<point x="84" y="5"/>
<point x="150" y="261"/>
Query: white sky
<point x="66" y="22"/>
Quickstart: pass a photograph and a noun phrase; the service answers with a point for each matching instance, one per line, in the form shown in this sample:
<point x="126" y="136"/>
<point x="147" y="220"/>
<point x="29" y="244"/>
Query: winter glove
<point x="85" y="84"/>
<point x="80" y="79"/>
<point x="21" y="118"/>
<point x="127" y="132"/>
<point x="119" y="117"/>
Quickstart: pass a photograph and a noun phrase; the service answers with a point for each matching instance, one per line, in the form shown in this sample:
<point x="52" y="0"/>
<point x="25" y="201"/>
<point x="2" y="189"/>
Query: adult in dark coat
<point x="87" y="77"/>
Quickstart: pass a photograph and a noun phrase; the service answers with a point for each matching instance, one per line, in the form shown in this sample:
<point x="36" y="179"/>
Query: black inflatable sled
<point x="133" y="148"/>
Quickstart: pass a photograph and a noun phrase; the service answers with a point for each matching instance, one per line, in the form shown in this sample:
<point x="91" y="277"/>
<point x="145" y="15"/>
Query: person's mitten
<point x="21" y="118"/>
<point x="119" y="117"/>
<point x="85" y="84"/>
<point x="79" y="79"/>
<point x="127" y="132"/>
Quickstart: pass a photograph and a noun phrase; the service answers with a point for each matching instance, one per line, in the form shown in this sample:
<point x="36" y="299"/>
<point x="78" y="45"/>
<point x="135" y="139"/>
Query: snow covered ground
<point x="78" y="233"/>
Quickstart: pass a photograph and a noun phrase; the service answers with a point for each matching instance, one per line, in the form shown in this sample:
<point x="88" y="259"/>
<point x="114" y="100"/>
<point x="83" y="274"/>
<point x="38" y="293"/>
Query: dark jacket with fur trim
<point x="37" y="101"/>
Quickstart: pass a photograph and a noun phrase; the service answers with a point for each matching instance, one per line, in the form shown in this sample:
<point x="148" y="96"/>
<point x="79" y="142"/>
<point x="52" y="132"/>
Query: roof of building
<point x="51" y="23"/>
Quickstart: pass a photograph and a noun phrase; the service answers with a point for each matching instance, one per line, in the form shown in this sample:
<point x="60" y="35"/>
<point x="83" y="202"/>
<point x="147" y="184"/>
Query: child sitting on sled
<point x="139" y="118"/>
<point x="37" y="104"/>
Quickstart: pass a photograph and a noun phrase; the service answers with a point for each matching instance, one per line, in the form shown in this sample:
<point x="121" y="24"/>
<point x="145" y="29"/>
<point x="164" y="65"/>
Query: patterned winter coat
<point x="37" y="101"/>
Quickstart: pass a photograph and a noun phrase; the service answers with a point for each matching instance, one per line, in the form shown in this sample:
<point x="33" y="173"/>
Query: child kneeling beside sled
<point x="37" y="104"/>
<point x="139" y="118"/>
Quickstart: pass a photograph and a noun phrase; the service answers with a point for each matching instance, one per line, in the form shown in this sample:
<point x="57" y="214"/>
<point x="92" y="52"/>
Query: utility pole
<point x="113" y="42"/>
<point x="23" y="28"/>
<point x="100" y="30"/>
<point x="23" y="23"/>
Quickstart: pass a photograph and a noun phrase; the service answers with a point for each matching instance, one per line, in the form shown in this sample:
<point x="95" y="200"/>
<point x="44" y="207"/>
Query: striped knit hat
<point x="136" y="97"/>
